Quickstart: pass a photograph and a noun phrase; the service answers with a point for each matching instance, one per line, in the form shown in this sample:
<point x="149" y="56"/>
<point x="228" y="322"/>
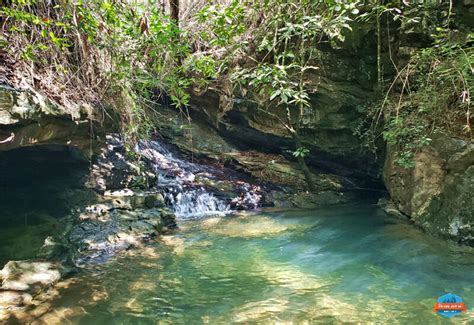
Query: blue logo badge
<point x="449" y="305"/>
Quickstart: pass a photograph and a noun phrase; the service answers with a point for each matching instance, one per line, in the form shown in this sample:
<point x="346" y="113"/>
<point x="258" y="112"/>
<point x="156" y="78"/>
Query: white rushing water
<point x="197" y="203"/>
<point x="177" y="182"/>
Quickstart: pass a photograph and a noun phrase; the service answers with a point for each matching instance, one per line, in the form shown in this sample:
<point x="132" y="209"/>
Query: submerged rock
<point x="9" y="299"/>
<point x="52" y="248"/>
<point x="23" y="281"/>
<point x="29" y="276"/>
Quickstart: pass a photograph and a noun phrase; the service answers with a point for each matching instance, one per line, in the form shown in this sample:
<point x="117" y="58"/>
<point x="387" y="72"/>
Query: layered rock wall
<point x="437" y="193"/>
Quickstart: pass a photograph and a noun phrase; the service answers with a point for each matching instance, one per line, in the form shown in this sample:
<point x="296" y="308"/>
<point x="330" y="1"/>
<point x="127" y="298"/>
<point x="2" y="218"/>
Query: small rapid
<point x="196" y="203"/>
<point x="192" y="190"/>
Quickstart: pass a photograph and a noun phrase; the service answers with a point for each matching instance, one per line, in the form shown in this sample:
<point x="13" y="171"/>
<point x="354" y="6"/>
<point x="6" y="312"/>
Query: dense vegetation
<point x="122" y="57"/>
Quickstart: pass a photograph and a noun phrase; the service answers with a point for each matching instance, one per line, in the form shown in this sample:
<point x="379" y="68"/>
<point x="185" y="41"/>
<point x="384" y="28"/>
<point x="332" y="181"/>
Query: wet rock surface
<point x="113" y="169"/>
<point x="198" y="188"/>
<point x="54" y="221"/>
<point x="104" y="230"/>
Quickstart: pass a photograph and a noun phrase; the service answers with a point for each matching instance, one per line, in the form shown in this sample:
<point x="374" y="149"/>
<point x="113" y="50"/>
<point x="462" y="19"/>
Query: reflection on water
<point x="337" y="265"/>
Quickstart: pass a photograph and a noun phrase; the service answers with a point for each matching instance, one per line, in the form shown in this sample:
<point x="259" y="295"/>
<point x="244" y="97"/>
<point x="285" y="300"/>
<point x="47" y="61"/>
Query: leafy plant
<point x="435" y="96"/>
<point x="226" y="22"/>
<point x="95" y="50"/>
<point x="429" y="94"/>
<point x="301" y="152"/>
<point x="287" y="52"/>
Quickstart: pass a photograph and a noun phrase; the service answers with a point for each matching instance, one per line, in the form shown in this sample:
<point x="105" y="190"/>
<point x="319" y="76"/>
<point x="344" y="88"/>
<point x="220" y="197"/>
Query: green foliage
<point x="288" y="49"/>
<point x="226" y="22"/>
<point x="404" y="159"/>
<point x="431" y="93"/>
<point x="204" y="65"/>
<point x="104" y="47"/>
<point x="132" y="53"/>
<point x="435" y="95"/>
<point x="301" y="152"/>
<point x="109" y="47"/>
<point x="408" y="135"/>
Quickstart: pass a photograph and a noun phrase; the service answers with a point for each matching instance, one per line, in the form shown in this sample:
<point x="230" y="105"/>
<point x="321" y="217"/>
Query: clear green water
<point x="337" y="265"/>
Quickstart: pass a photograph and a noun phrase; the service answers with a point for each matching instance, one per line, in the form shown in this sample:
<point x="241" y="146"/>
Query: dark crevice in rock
<point x="360" y="168"/>
<point x="40" y="186"/>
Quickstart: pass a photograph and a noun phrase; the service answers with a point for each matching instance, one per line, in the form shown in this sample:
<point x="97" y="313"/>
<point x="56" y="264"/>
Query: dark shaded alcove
<point x="38" y="188"/>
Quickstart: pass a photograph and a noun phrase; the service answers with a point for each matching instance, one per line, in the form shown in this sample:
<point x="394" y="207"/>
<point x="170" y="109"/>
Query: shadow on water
<point x="39" y="186"/>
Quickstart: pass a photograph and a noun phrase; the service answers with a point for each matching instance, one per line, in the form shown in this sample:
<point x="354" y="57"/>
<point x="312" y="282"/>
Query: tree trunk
<point x="302" y="162"/>
<point x="174" y="14"/>
<point x="163" y="6"/>
<point x="379" y="50"/>
<point x="174" y="11"/>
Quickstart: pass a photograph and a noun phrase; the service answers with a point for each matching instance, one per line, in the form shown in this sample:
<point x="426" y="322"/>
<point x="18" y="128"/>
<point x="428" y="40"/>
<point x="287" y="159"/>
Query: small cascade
<point x="196" y="203"/>
<point x="185" y="185"/>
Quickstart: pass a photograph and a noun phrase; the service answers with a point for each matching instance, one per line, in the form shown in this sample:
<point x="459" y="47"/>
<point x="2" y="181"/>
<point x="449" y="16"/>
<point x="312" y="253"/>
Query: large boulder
<point x="437" y="192"/>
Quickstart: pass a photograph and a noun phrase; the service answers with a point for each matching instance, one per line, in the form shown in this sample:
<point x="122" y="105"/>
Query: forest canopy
<point x="123" y="57"/>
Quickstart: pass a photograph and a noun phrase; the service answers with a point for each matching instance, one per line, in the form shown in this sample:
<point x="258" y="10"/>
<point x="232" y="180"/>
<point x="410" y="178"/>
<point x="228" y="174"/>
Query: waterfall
<point x="196" y="203"/>
<point x="177" y="181"/>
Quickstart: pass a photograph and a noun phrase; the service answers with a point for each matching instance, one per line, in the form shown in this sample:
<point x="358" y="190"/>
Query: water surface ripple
<point x="336" y="265"/>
